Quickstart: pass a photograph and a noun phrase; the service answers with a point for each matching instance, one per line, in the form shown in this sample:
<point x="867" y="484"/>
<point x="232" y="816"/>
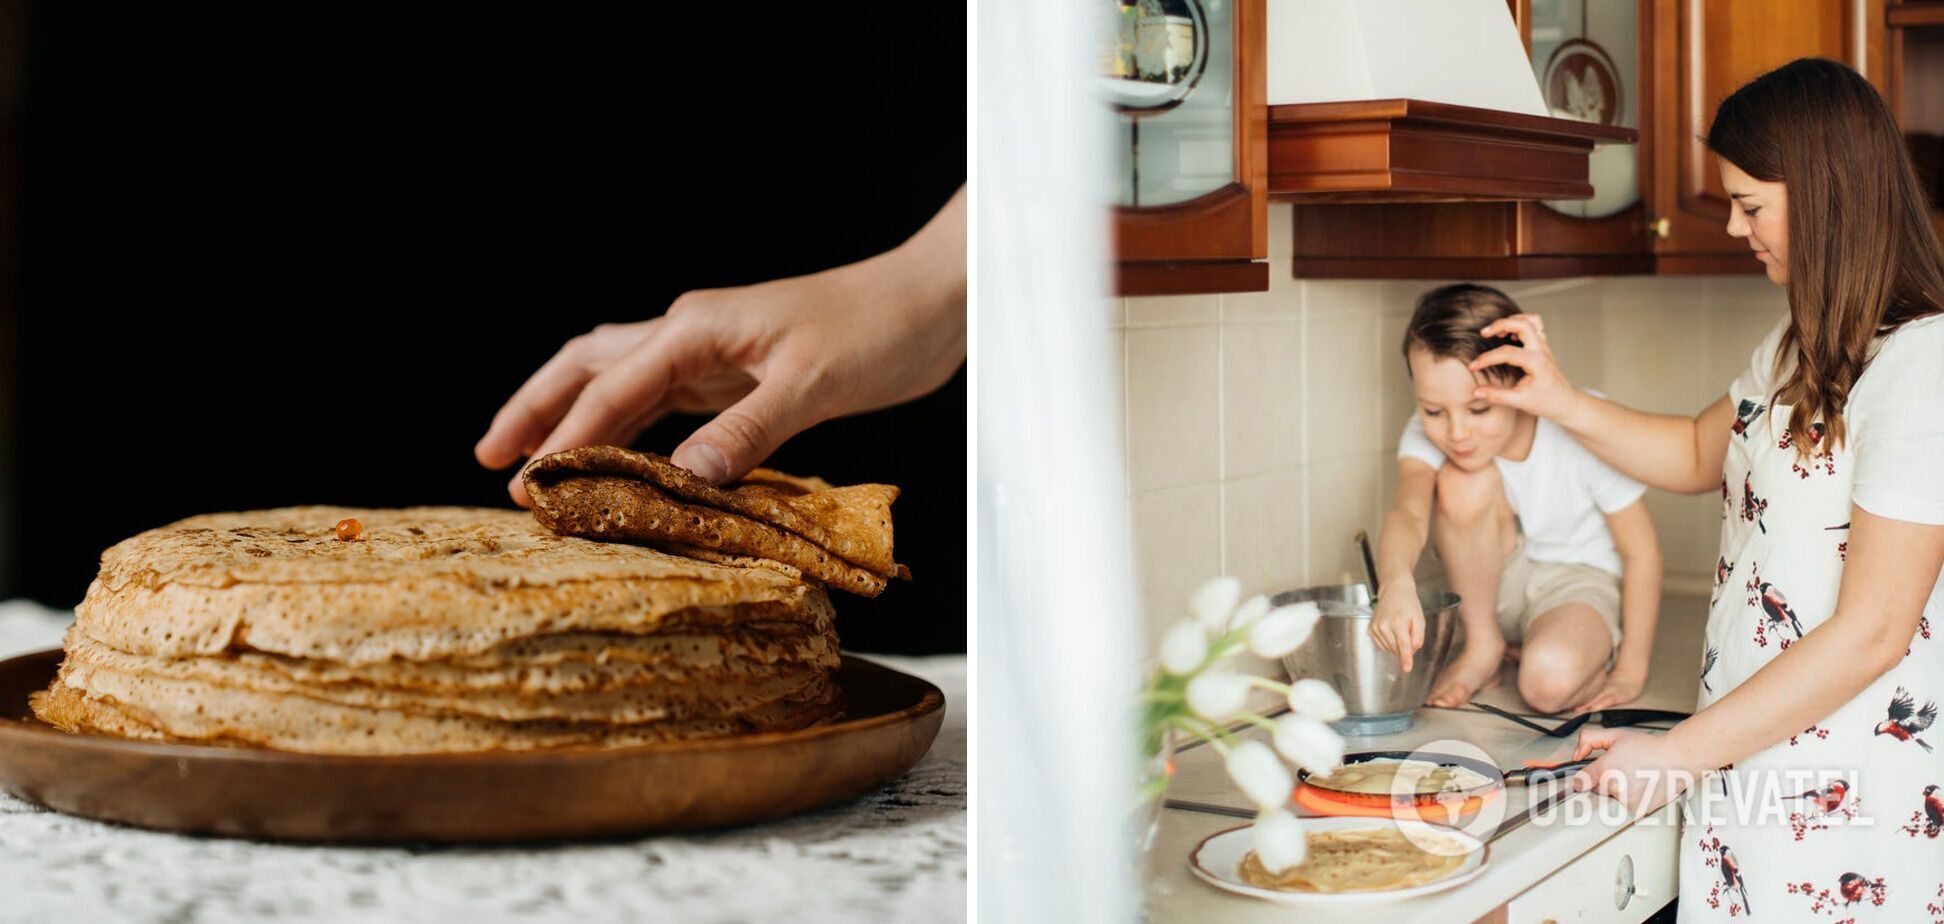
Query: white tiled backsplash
<point x="1262" y="428"/>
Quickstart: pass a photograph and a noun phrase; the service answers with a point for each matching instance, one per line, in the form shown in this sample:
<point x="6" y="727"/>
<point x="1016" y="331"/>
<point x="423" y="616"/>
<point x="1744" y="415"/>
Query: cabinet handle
<point x="1624" y="891"/>
<point x="1661" y="227"/>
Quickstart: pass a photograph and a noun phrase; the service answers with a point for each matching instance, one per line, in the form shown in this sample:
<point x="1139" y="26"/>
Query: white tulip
<point x="1184" y="648"/>
<point x="1216" y="694"/>
<point x="1279" y="840"/>
<point x="1249" y="612"/>
<point x="1308" y="743"/>
<point x="1284" y="630"/>
<point x="1213" y="603"/>
<point x="1316" y="699"/>
<point x="1260" y="775"/>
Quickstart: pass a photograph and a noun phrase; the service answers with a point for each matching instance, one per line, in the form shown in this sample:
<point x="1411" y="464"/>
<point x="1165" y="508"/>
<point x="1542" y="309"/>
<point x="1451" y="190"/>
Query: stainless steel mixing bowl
<point x="1378" y="697"/>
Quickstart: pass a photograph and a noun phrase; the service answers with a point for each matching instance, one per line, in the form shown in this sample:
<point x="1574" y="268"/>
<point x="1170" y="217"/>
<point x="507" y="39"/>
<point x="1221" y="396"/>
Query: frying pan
<point x="1432" y="806"/>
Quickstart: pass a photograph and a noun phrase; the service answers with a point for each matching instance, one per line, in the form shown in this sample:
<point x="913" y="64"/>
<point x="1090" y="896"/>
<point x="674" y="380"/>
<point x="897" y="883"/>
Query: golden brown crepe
<point x="1375" y="859"/>
<point x="190" y="713"/>
<point x="423" y="583"/>
<point x="840" y="536"/>
<point x="1388" y="777"/>
<point x="433" y="630"/>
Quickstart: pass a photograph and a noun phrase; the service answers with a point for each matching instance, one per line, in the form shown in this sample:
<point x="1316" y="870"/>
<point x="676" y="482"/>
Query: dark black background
<point x="277" y="254"/>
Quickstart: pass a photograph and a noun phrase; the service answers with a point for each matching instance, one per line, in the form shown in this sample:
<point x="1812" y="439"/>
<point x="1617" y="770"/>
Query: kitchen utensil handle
<point x="1209" y="808"/>
<point x="1534" y="775"/>
<point x="1622" y="718"/>
<point x="1370" y="564"/>
<point x="1522" y="720"/>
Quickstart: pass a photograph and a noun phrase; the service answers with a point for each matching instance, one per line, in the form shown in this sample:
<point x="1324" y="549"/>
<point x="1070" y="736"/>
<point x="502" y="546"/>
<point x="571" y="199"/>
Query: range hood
<point x="1415" y="101"/>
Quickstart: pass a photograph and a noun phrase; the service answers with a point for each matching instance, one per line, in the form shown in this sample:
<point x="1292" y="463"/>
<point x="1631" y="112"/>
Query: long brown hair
<point x="1863" y="257"/>
<point x="1447" y="321"/>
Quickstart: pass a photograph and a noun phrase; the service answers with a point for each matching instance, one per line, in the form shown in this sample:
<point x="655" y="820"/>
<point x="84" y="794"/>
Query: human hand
<point x="1398" y="623"/>
<point x="1637" y="769"/>
<point x="773" y="358"/>
<point x="1544" y="390"/>
<point x="1620" y="688"/>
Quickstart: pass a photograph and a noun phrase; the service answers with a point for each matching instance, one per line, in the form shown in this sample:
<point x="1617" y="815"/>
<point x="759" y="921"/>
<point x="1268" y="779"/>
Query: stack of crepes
<point x="1374" y="859"/>
<point x="435" y="629"/>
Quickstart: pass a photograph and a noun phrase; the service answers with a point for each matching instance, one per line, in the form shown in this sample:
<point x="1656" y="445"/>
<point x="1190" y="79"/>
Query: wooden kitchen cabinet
<point x="1708" y="48"/>
<point x="1191" y="214"/>
<point x="1915" y="56"/>
<point x="1591" y="57"/>
<point x="1688" y="56"/>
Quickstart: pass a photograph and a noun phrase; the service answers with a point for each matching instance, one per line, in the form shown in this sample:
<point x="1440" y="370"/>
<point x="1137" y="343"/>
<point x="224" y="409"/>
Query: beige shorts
<point x="1528" y="588"/>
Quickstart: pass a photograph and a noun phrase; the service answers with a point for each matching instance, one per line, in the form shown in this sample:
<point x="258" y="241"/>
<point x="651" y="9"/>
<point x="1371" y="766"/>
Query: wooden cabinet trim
<point x="1411" y="150"/>
<point x="1209" y="227"/>
<point x="1191" y="277"/>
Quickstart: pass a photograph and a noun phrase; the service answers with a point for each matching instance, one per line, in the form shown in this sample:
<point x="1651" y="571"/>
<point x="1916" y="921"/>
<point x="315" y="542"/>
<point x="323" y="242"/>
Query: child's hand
<point x="1398" y="624"/>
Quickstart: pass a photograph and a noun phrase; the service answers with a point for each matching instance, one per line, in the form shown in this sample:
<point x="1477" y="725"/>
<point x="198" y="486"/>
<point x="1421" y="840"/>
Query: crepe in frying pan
<point x="1375" y="859"/>
<point x="838" y="535"/>
<point x="1392" y="777"/>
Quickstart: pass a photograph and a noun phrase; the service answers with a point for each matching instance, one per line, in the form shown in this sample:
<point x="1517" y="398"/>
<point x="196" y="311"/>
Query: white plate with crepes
<point x="1218" y="859"/>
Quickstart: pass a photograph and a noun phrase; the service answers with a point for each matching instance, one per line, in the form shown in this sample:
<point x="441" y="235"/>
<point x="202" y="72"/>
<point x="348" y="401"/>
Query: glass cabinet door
<point x="1170" y="77"/>
<point x="1586" y="56"/>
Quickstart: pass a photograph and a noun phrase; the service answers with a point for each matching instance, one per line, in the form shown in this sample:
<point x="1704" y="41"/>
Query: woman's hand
<point x="1639" y="770"/>
<point x="1544" y="390"/>
<point x="773" y="358"/>
<point x="1621" y="687"/>
<point x="1398" y="624"/>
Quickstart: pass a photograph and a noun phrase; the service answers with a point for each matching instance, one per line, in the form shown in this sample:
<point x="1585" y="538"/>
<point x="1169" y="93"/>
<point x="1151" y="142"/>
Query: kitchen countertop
<point x="1674" y="674"/>
<point x="896" y="855"/>
<point x="1520" y="856"/>
<point x="1523" y="852"/>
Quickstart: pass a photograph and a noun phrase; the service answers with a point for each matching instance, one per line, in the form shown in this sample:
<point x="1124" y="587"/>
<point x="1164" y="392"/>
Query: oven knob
<point x="1623" y="883"/>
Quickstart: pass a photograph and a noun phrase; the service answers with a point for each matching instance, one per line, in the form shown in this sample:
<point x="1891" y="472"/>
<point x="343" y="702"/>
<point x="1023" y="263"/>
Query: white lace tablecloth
<point x="896" y="855"/>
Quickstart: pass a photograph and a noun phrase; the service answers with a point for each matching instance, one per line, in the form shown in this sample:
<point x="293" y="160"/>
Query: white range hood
<point x="1414" y="101"/>
<point x="1462" y="52"/>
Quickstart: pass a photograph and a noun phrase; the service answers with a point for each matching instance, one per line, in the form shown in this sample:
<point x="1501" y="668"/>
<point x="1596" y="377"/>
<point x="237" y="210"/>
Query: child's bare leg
<point x="1471" y="526"/>
<point x="1566" y="651"/>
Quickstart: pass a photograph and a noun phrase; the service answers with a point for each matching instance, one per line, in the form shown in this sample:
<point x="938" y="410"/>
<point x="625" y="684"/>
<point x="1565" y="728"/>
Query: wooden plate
<point x="891" y="719"/>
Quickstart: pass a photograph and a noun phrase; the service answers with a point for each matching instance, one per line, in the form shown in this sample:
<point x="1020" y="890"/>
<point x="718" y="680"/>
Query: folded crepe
<point x="840" y="536"/>
<point x="435" y="630"/>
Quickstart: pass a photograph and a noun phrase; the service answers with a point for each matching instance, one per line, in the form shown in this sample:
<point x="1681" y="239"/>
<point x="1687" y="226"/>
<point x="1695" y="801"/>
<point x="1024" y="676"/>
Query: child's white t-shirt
<point x="1561" y="492"/>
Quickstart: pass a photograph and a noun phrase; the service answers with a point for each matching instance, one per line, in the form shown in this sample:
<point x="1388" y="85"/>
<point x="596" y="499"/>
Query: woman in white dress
<point x="1823" y="792"/>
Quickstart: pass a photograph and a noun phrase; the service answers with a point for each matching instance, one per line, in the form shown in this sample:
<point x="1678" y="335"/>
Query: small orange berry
<point x="349" y="529"/>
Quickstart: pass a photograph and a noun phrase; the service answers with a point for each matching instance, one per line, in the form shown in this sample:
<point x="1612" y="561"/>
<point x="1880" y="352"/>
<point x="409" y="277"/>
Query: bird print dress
<point x="1844" y="821"/>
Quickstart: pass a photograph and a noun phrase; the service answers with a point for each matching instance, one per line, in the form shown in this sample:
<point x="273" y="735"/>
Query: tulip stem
<point x="1267" y="684"/>
<point x="1258" y="721"/>
<point x="1212" y="734"/>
